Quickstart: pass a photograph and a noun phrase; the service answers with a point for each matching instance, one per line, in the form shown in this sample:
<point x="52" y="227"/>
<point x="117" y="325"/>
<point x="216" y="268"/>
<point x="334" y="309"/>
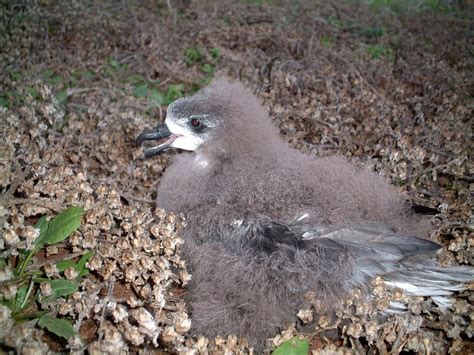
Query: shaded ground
<point x="390" y="88"/>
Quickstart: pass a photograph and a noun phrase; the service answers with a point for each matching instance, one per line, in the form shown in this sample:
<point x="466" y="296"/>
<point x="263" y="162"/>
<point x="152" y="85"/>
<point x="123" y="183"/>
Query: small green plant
<point x="399" y="6"/>
<point x="215" y="52"/>
<point x="398" y="181"/>
<point x="155" y="97"/>
<point x="52" y="78"/>
<point x="11" y="98"/>
<point x="192" y="55"/>
<point x="28" y="277"/>
<point x="261" y="2"/>
<point x="59" y="85"/>
<point x="377" y="52"/>
<point x="205" y="61"/>
<point x="226" y="20"/>
<point x="114" y="69"/>
<point x="3" y="101"/>
<point x="372" y="32"/>
<point x="135" y="79"/>
<point x="208" y="68"/>
<point x="33" y="92"/>
<point x="332" y="20"/>
<point x="326" y="41"/>
<point x="294" y="346"/>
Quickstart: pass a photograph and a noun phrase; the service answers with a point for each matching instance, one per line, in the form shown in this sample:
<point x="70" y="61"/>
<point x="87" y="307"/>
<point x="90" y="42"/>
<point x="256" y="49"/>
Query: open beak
<point x="158" y="133"/>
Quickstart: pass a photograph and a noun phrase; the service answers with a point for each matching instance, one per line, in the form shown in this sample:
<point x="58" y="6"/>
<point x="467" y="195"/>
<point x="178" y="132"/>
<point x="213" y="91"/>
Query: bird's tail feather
<point x="435" y="282"/>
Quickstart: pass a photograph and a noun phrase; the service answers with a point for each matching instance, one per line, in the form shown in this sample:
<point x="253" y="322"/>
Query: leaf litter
<point x="82" y="79"/>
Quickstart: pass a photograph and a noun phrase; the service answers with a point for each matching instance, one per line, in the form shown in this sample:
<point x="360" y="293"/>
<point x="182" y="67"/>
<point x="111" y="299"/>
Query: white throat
<point x="201" y="160"/>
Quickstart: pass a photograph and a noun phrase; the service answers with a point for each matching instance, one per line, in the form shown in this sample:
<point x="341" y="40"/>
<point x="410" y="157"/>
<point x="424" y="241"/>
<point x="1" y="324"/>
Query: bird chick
<point x="266" y="223"/>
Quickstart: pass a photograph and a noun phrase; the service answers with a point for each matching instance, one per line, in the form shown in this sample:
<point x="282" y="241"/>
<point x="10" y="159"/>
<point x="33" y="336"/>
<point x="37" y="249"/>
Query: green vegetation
<point x="261" y="2"/>
<point x="399" y="6"/>
<point x="192" y="55"/>
<point x="294" y="346"/>
<point x="63" y="85"/>
<point x="28" y="278"/>
<point x="334" y="21"/>
<point x="398" y="181"/>
<point x="204" y="60"/>
<point x="155" y="97"/>
<point x="379" y="51"/>
<point x="326" y="41"/>
<point x="372" y="32"/>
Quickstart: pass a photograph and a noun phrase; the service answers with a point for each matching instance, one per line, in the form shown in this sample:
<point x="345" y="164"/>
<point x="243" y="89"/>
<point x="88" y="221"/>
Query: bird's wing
<point x="374" y="247"/>
<point x="359" y="254"/>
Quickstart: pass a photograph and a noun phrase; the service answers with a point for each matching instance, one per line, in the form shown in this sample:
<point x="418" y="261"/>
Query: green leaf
<point x="76" y="74"/>
<point x="81" y="264"/>
<point x="88" y="75"/>
<point x="335" y="21"/>
<point x="205" y="81"/>
<point x="33" y="92"/>
<point x="215" y="52"/>
<point x="208" y="68"/>
<point x="61" y="226"/>
<point x="174" y="92"/>
<point x="294" y="346"/>
<point x="42" y="225"/>
<point x="114" y="64"/>
<point x="135" y="78"/>
<point x="63" y="288"/>
<point x="57" y="326"/>
<point x="15" y="75"/>
<point x="141" y="91"/>
<point x="326" y="41"/>
<point x="20" y="298"/>
<point x="29" y="316"/>
<point x="372" y="32"/>
<point x="192" y="55"/>
<point x="64" y="264"/>
<point x="156" y="98"/>
<point x="61" y="97"/>
<point x="3" y="101"/>
<point x="377" y="52"/>
<point x="48" y="73"/>
<point x="56" y="80"/>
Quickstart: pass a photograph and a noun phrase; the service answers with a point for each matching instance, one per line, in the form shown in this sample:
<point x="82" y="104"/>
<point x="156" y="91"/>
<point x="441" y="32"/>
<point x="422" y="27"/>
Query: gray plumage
<point x="266" y="223"/>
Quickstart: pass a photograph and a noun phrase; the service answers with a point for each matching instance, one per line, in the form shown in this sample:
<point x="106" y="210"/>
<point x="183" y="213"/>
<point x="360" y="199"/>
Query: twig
<point x="74" y="91"/>
<point x="338" y="14"/>
<point x="108" y="299"/>
<point x="34" y="201"/>
<point x="363" y="81"/>
<point x="68" y="257"/>
<point x="15" y="184"/>
<point x="138" y="199"/>
<point x="311" y="40"/>
<point x="399" y="342"/>
<point x="172" y="11"/>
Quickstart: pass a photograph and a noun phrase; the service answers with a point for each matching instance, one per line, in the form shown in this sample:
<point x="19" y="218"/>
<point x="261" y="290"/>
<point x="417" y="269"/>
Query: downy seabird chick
<point x="266" y="223"/>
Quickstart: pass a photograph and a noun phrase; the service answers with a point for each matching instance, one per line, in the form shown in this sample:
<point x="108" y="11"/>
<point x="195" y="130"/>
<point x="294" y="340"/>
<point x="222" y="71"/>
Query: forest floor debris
<point x="389" y="88"/>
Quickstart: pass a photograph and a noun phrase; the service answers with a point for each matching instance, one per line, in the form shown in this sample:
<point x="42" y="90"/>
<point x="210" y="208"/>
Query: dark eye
<point x="195" y="122"/>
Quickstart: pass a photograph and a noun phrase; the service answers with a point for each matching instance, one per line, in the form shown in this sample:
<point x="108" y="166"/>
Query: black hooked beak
<point x="159" y="132"/>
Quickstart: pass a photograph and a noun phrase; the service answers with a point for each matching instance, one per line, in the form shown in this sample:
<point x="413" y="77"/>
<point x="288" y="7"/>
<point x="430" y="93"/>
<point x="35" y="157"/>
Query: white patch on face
<point x="185" y="138"/>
